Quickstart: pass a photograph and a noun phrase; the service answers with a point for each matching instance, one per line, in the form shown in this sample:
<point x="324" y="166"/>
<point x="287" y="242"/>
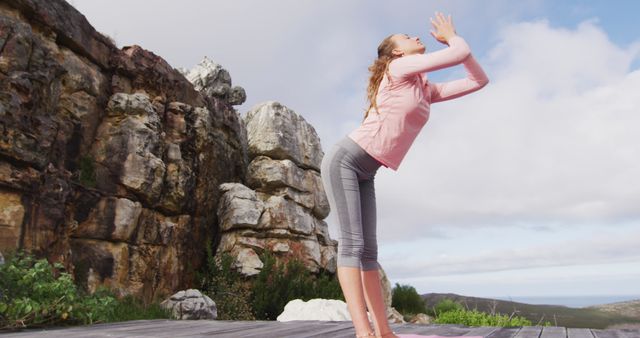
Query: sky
<point x="528" y="187"/>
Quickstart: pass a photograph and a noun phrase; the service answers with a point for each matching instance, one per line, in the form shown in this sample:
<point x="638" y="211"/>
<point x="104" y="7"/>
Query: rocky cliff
<point x="282" y="205"/>
<point x="123" y="168"/>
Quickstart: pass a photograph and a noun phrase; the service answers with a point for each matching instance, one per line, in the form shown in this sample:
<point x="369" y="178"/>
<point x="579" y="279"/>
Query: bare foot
<point x="389" y="334"/>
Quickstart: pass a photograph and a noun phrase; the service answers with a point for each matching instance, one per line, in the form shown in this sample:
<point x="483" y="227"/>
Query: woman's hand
<point x="444" y="28"/>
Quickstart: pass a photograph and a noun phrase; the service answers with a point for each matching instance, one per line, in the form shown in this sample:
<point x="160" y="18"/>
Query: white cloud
<point x="558" y="61"/>
<point x="551" y="140"/>
<point x="584" y="280"/>
<point x="603" y="249"/>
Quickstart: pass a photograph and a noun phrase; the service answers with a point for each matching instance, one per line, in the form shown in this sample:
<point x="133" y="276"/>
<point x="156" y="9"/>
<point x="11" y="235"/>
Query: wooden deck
<point x="302" y="329"/>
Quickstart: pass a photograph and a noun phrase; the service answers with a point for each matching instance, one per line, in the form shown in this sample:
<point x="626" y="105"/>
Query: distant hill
<point x="629" y="308"/>
<point x="596" y="317"/>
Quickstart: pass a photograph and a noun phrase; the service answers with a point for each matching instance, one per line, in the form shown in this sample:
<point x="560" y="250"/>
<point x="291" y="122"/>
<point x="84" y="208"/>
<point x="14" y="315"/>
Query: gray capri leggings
<point x="347" y="173"/>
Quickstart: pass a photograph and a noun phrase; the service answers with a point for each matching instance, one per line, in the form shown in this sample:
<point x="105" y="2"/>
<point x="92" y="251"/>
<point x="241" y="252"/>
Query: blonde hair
<point x="379" y="67"/>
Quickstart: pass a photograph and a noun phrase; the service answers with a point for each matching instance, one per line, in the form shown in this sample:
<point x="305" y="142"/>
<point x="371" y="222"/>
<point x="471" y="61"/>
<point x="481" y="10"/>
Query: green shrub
<point x="327" y="286"/>
<point x="446" y="305"/>
<point x="407" y="301"/>
<point x="279" y="283"/>
<point x="35" y="293"/>
<point x="229" y="289"/>
<point x="263" y="296"/>
<point x="477" y="318"/>
<point x="132" y="308"/>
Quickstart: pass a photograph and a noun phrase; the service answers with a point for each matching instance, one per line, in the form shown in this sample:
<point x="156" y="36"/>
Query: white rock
<point x="316" y="309"/>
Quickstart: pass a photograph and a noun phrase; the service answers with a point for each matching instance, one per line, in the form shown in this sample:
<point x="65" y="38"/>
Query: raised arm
<point x="408" y="65"/>
<point x="476" y="79"/>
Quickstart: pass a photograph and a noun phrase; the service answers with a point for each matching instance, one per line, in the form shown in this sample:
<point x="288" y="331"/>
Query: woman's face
<point x="406" y="45"/>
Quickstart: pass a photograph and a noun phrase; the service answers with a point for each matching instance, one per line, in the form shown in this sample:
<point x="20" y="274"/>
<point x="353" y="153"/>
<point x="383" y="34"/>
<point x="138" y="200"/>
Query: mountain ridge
<point x="596" y="316"/>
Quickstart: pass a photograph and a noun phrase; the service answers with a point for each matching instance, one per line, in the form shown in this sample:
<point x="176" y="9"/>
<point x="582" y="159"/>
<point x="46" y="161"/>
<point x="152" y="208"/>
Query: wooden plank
<point x="341" y="329"/>
<point x="202" y="328"/>
<point x="616" y="333"/>
<point x="128" y="324"/>
<point x="405" y="328"/>
<point x="279" y="329"/>
<point x="86" y="335"/>
<point x="138" y="327"/>
<point x="114" y="325"/>
<point x="141" y="329"/>
<point x="573" y="332"/>
<point x="210" y="327"/>
<point x="483" y="331"/>
<point x="297" y="328"/>
<point x="504" y="332"/>
<point x="190" y="328"/>
<point x="421" y="329"/>
<point x="553" y="332"/>
<point x="529" y="332"/>
<point x="165" y="328"/>
<point x="159" y="328"/>
<point x="115" y="328"/>
<point x="47" y="334"/>
<point x="336" y="330"/>
<point x="440" y="330"/>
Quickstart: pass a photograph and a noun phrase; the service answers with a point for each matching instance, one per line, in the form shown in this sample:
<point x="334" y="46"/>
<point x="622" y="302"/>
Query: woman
<point x="400" y="99"/>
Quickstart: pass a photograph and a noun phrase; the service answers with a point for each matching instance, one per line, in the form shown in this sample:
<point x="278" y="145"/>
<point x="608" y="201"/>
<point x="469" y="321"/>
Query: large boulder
<point x="281" y="207"/>
<point x="284" y="177"/>
<point x="190" y="304"/>
<point x="239" y="207"/>
<point x="276" y="131"/>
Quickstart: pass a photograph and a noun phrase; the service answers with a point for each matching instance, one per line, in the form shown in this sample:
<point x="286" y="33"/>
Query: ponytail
<point x="377" y="70"/>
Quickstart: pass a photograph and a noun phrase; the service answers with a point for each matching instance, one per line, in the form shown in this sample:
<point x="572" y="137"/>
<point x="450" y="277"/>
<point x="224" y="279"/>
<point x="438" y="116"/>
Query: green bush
<point x="229" y="289"/>
<point x="34" y="293"/>
<point x="477" y="318"/>
<point x="446" y="305"/>
<point x="264" y="296"/>
<point x="407" y="301"/>
<point x="279" y="283"/>
<point x="132" y="308"/>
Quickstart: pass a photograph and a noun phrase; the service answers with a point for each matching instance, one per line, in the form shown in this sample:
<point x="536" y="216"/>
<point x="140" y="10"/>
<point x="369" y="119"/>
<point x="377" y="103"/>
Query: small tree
<point x="406" y="300"/>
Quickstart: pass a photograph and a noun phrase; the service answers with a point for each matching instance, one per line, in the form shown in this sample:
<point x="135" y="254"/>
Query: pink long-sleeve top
<point x="404" y="100"/>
